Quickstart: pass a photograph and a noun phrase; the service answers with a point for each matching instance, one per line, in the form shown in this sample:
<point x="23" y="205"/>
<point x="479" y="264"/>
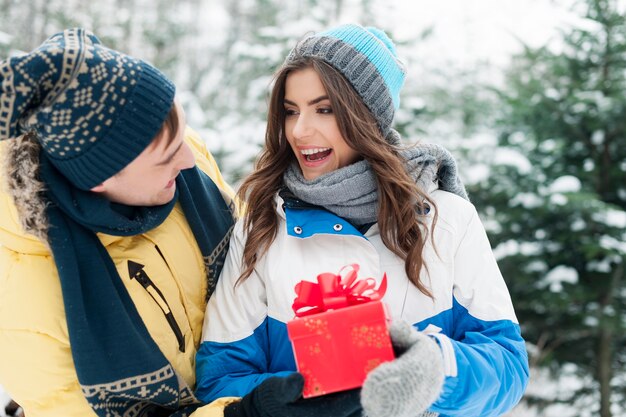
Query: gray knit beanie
<point x="367" y="59"/>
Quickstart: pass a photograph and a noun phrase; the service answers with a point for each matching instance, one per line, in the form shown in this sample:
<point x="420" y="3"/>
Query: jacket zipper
<point x="159" y="298"/>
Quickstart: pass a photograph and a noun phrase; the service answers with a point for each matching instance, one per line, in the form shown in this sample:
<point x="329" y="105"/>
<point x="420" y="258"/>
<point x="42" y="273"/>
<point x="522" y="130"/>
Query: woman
<point x="333" y="186"/>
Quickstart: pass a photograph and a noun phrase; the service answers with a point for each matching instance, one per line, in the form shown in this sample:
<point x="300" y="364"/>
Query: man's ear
<point x="98" y="188"/>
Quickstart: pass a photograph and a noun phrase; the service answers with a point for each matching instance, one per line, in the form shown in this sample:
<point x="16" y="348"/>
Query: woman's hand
<point x="408" y="385"/>
<point x="281" y="397"/>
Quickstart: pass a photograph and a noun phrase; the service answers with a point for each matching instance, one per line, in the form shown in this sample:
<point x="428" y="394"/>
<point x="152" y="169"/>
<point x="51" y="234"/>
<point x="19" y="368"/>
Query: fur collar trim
<point x="21" y="170"/>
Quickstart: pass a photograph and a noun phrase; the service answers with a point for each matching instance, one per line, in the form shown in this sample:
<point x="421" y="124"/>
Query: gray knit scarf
<point x="351" y="191"/>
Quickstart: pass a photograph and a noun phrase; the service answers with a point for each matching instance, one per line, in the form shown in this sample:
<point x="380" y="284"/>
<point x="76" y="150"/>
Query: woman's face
<point x="311" y="127"/>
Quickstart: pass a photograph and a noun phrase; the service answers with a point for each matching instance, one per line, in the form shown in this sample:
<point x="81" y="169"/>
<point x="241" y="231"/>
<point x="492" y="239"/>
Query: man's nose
<point x="187" y="159"/>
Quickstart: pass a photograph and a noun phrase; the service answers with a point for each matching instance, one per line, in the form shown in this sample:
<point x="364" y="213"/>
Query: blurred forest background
<point x="539" y="132"/>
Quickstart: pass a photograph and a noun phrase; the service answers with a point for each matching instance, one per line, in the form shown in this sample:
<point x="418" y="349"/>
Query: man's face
<point x="150" y="179"/>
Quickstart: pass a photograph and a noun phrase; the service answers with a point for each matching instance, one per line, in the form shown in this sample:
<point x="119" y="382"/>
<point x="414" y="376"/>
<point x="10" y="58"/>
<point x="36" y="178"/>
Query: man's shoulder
<point x="206" y="162"/>
<point x="198" y="147"/>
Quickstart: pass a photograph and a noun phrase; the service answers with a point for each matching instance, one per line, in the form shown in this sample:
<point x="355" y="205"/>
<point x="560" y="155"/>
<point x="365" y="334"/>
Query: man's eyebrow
<point x="171" y="155"/>
<point x="310" y="103"/>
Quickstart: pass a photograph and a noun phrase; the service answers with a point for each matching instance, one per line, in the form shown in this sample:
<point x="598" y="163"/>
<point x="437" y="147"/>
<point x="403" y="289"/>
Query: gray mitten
<point x="408" y="385"/>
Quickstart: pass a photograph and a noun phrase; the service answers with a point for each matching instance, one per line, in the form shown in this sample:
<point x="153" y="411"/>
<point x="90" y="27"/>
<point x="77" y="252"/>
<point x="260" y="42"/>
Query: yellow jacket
<point x="36" y="365"/>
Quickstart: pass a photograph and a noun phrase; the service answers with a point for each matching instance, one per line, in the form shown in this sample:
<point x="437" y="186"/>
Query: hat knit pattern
<point x="367" y="58"/>
<point x="92" y="109"/>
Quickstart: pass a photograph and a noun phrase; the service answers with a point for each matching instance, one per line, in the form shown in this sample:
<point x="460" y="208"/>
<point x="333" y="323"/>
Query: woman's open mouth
<point x="314" y="155"/>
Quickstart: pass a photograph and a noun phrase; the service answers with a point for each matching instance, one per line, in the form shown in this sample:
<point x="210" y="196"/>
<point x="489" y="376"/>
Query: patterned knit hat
<point x="367" y="59"/>
<point x="93" y="109"/>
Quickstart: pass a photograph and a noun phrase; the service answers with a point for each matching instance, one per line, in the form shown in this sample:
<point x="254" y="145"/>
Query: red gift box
<point x="341" y="331"/>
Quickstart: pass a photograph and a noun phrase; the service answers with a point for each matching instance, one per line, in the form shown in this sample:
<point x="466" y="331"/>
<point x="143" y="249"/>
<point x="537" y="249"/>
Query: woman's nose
<point x="302" y="126"/>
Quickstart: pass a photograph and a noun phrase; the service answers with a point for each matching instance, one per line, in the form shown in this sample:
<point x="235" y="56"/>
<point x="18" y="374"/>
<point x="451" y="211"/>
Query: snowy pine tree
<point x="556" y="200"/>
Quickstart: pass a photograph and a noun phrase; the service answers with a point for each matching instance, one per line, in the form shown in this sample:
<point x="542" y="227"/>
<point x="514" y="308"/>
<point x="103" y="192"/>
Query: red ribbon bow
<point x="334" y="291"/>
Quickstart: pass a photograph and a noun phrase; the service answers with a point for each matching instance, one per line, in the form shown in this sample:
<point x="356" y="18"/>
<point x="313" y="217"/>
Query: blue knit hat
<point x="92" y="109"/>
<point x="367" y="58"/>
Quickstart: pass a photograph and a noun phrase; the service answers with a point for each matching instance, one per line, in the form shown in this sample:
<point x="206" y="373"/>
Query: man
<point x="114" y="223"/>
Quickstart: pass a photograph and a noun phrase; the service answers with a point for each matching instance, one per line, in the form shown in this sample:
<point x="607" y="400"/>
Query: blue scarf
<point x="120" y="368"/>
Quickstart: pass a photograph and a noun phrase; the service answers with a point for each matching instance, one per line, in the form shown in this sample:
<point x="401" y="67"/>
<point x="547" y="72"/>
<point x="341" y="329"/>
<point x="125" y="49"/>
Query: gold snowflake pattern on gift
<point x="311" y="383"/>
<point x="371" y="364"/>
<point x="369" y="336"/>
<point x="317" y="326"/>
<point x="315" y="350"/>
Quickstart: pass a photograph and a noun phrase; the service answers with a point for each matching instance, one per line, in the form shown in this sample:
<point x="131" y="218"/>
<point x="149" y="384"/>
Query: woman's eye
<point x="325" y="110"/>
<point x="290" y="112"/>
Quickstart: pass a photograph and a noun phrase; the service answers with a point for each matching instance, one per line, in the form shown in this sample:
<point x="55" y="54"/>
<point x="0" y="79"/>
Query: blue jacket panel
<point x="491" y="360"/>
<point x="234" y="369"/>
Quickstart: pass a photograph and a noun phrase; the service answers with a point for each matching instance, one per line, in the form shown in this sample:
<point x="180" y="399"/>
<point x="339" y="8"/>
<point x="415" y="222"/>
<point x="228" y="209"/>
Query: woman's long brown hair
<point x="402" y="228"/>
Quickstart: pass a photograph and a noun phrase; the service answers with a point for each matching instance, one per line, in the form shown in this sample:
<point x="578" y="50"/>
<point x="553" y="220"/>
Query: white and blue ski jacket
<point x="245" y="337"/>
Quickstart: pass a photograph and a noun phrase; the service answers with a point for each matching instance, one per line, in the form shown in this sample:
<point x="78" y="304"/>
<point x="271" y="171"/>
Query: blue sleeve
<point x="482" y="342"/>
<point x="491" y="367"/>
<point x="233" y="369"/>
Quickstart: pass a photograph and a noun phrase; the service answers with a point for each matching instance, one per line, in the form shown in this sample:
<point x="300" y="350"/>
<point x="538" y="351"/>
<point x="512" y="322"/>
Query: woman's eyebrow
<point x="310" y="103"/>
